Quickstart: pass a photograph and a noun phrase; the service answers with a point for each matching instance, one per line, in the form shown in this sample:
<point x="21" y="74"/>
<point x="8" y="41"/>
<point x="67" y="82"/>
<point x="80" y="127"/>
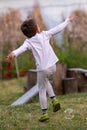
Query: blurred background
<point x="70" y="45"/>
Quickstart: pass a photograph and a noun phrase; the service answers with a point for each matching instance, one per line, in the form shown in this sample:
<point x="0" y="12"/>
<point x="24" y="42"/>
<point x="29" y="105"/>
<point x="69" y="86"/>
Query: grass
<point x="25" y="117"/>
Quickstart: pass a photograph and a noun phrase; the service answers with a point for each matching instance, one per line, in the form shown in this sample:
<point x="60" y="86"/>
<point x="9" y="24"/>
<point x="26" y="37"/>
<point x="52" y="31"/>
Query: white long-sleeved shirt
<point x="41" y="48"/>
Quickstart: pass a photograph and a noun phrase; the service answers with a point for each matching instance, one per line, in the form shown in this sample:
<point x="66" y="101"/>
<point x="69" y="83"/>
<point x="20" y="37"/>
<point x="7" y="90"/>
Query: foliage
<point x="25" y="62"/>
<point x="10" y="34"/>
<point x="74" y="45"/>
<point x="75" y="34"/>
<point x="73" y="57"/>
<point x="36" y="14"/>
<point x="73" y="51"/>
<point x="11" y="37"/>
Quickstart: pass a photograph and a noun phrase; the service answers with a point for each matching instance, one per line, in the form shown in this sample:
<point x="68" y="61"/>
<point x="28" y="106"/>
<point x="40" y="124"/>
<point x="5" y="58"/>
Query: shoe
<point x="56" y="105"/>
<point x="44" y="117"/>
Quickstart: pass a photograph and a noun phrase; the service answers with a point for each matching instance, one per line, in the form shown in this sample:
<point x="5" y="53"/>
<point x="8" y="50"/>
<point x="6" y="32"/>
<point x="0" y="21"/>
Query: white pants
<point x="45" y="85"/>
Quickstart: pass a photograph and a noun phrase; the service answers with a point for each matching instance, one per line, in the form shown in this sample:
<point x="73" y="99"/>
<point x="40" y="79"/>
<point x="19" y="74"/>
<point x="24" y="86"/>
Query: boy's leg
<point x="49" y="72"/>
<point x="49" y="89"/>
<point x="42" y="90"/>
<point x="55" y="102"/>
<point x="42" y="95"/>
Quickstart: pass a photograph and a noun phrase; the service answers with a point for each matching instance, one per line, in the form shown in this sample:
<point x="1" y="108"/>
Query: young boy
<point x="38" y="43"/>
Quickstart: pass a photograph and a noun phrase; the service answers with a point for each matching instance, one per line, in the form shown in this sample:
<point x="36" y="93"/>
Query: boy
<point x="38" y="43"/>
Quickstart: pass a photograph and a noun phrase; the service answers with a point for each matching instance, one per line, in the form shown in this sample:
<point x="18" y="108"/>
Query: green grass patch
<point x="25" y="117"/>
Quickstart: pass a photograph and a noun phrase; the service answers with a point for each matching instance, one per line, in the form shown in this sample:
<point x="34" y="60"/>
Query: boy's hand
<point x="10" y="57"/>
<point x="72" y="17"/>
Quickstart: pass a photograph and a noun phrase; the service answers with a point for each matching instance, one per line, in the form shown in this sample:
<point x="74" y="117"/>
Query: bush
<point x="25" y="62"/>
<point x="73" y="57"/>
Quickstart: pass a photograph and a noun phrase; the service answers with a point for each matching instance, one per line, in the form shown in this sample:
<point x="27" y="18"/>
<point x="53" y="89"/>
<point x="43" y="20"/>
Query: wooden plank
<point x="27" y="96"/>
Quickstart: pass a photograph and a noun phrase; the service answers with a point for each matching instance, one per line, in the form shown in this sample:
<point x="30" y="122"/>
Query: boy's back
<point x="38" y="43"/>
<point x="41" y="49"/>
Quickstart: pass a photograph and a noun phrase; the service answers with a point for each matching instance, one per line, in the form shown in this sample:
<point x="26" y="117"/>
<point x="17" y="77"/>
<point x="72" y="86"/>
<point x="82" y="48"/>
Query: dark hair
<point x="29" y="28"/>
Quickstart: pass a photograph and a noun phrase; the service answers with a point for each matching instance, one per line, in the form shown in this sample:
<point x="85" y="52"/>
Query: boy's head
<point x="29" y="28"/>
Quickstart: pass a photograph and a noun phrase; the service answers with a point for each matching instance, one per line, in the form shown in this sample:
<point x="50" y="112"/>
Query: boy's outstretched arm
<point x="17" y="51"/>
<point x="72" y="17"/>
<point x="10" y="57"/>
<point x="61" y="26"/>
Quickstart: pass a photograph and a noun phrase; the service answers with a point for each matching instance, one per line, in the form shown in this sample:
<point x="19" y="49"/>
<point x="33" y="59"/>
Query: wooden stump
<point x="80" y="76"/>
<point x="83" y="88"/>
<point x="31" y="79"/>
<point x="59" y="75"/>
<point x="70" y="85"/>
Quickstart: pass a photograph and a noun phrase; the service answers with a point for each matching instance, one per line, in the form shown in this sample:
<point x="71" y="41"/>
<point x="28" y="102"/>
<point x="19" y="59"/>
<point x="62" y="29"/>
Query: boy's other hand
<point x="72" y="17"/>
<point x="10" y="57"/>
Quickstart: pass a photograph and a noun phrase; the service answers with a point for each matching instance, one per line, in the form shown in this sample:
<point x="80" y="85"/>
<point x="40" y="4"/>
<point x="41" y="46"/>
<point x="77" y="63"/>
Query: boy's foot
<point x="44" y="117"/>
<point x="56" y="105"/>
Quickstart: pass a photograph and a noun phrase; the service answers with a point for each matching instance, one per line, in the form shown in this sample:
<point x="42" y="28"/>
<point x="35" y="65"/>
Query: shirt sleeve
<point x="58" y="28"/>
<point x="24" y="47"/>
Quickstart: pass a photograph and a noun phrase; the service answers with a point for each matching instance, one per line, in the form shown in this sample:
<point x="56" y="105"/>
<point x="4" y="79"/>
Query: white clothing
<point x="44" y="84"/>
<point x="45" y="59"/>
<point x="41" y="48"/>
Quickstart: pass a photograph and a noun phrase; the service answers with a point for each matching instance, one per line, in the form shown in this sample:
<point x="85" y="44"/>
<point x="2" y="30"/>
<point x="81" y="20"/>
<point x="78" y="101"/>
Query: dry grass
<point x="76" y="34"/>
